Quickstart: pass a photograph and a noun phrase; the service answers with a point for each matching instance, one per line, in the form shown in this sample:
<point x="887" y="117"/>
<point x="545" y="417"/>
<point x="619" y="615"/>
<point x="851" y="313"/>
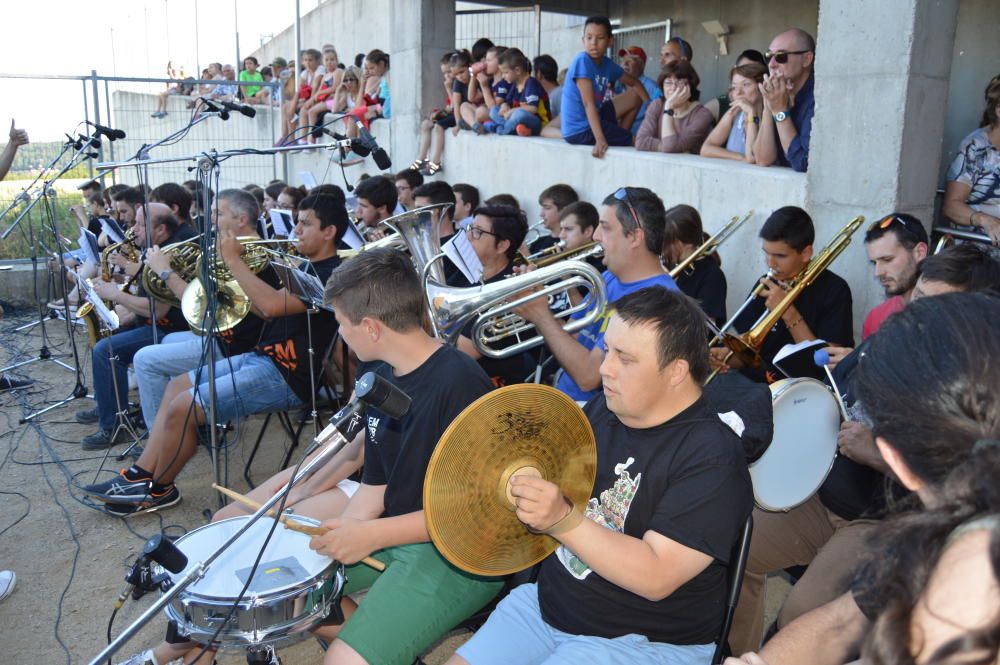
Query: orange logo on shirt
<point x="283" y="353"/>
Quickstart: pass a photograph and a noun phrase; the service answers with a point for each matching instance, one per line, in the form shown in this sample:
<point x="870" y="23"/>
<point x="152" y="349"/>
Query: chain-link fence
<point x="519" y="27"/>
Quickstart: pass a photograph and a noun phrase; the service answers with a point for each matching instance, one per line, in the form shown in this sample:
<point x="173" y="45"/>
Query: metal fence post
<point x="97" y="109"/>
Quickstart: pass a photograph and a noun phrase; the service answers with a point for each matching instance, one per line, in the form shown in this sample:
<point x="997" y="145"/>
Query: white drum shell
<point x="801" y="454"/>
<point x="281" y="614"/>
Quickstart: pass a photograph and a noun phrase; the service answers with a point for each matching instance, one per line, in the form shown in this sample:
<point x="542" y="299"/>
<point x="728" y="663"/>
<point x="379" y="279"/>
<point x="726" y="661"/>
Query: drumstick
<point x="289" y="522"/>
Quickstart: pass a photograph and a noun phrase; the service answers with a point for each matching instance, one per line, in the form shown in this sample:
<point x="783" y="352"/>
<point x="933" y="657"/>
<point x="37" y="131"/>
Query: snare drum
<point x="291" y="591"/>
<point x="801" y="454"/>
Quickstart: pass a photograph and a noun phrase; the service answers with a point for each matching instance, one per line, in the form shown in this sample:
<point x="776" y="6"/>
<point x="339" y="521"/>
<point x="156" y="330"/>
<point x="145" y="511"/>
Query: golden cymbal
<point x="517" y="430"/>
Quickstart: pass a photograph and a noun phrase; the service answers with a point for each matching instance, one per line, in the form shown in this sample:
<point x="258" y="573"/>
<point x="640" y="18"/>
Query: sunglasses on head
<point x="889" y="221"/>
<point x="623" y="196"/>
<point x="781" y="57"/>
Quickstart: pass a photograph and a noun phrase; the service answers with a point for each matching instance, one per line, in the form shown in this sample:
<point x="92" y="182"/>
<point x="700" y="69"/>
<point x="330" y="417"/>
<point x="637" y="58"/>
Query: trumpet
<point x="491" y="309"/>
<point x="534" y="233"/>
<point x="712" y="244"/>
<point x="747" y="346"/>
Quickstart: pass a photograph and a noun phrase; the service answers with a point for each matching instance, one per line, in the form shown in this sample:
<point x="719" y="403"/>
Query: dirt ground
<point x="70" y="558"/>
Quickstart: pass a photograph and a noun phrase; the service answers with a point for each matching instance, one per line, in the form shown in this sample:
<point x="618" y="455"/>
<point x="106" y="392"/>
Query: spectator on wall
<point x="677" y="122"/>
<point x="788" y="101"/>
<point x="736" y="133"/>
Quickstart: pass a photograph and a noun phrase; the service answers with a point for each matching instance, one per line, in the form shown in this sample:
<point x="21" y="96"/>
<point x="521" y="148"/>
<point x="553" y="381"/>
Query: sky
<point x="118" y="38"/>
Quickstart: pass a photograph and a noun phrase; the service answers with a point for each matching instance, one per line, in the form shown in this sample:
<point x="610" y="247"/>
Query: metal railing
<point x="649" y="36"/>
<point x="519" y="27"/>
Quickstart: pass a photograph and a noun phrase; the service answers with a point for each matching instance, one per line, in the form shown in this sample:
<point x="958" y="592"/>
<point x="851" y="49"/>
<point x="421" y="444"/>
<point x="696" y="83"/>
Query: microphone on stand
<point x="367" y="141"/>
<point x="215" y="108"/>
<point x="245" y="109"/>
<point x="822" y="359"/>
<point x="140" y="579"/>
<point x="107" y="132"/>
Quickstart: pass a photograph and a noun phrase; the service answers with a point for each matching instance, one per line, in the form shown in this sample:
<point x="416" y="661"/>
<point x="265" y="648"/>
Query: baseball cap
<point x="633" y="50"/>
<point x="279" y="62"/>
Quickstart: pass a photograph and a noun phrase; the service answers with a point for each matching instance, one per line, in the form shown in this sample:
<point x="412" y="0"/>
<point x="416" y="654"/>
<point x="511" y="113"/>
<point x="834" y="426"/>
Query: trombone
<point x="712" y="244"/>
<point x="747" y="346"/>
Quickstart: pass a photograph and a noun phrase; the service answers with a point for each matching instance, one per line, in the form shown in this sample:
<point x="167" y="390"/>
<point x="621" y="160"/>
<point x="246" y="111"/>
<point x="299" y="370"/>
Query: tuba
<point x="491" y="309"/>
<point x="712" y="244"/>
<point x="747" y="346"/>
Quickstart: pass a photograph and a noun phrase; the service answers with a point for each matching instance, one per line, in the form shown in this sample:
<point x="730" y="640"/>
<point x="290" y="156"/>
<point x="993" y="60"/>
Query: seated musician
<point x="631" y="233"/>
<point x="111" y="393"/>
<point x="433" y="192"/>
<point x="236" y="211"/>
<point x="822" y="310"/>
<point x="640" y="573"/>
<point x="495" y="234"/>
<point x="828" y="531"/>
<point x="703" y="280"/>
<point x="380" y="306"/>
<point x="275" y="375"/>
<point x="926" y="589"/>
<point x="377" y="198"/>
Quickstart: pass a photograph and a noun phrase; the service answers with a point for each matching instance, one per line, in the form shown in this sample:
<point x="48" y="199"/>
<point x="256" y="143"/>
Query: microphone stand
<point x="333" y="440"/>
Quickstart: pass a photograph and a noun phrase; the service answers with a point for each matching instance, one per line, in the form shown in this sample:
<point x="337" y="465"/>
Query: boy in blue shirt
<point x="526" y="108"/>
<point x="589" y="115"/>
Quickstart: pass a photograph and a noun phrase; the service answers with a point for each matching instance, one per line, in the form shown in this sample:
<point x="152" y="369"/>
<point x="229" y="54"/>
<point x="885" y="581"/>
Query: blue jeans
<point x="520" y="117"/>
<point x="516" y="633"/>
<point x="123" y="346"/>
<point x="155" y="365"/>
<point x="244" y="384"/>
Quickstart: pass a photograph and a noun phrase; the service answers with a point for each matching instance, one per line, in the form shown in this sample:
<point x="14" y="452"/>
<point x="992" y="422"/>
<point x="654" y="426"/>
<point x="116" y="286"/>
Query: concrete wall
<point x="719" y="189"/>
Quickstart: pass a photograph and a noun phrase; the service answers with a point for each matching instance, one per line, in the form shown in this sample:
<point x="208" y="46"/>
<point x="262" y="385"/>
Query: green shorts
<point x="409" y="606"/>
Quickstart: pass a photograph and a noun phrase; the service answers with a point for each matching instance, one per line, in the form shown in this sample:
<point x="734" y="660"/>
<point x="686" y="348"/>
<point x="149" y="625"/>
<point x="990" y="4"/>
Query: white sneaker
<point x="144" y="658"/>
<point x="7" y="581"/>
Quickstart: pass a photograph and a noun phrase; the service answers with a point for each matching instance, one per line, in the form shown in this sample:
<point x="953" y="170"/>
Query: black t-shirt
<point x="502" y="371"/>
<point x="285" y="340"/>
<point x="245" y="335"/>
<point x="174" y="320"/>
<point x="825" y="306"/>
<point x="705" y="282"/>
<point x="685" y="479"/>
<point x="397" y="451"/>
<point x="461" y="88"/>
<point x="543" y="243"/>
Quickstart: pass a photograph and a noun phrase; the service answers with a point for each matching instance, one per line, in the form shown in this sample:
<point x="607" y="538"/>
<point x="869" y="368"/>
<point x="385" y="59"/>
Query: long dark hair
<point x="684" y="225"/>
<point x="930" y="381"/>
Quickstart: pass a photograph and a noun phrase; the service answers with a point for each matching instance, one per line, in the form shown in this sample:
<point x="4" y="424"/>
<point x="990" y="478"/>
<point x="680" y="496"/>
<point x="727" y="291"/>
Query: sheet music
<point x="302" y="284"/>
<point x="281" y="222"/>
<point x="463" y="255"/>
<point x="88" y="243"/>
<point x="308" y="179"/>
<point x="352" y="237"/>
<point x="111" y="229"/>
<point x="106" y="315"/>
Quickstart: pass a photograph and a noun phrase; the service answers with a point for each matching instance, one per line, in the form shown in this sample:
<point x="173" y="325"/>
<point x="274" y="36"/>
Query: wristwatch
<point x="669" y="112"/>
<point x="780" y="116"/>
<point x="164" y="275"/>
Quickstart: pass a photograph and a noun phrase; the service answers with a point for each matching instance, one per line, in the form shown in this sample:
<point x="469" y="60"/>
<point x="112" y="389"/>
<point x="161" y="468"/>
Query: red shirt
<point x="879" y="314"/>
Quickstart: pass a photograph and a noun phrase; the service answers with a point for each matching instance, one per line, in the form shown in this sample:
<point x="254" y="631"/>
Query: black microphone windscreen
<point x="381" y="394"/>
<point x="162" y="550"/>
<point x="118" y="133"/>
<point x="248" y="111"/>
<point x="381" y="158"/>
<point x="359" y="148"/>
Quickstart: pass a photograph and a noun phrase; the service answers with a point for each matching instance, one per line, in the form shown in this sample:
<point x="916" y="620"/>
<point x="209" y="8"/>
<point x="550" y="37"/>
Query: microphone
<point x="822" y="359"/>
<point x="92" y="141"/>
<point x="246" y="110"/>
<point x="140" y="579"/>
<point x="382" y="394"/>
<point x="110" y="134"/>
<point x="367" y="141"/>
<point x="215" y="108"/>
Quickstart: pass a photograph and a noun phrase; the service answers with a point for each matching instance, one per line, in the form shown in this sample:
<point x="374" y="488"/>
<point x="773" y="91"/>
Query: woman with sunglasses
<point x="785" y="128"/>
<point x="930" y="589"/>
<point x="972" y="195"/>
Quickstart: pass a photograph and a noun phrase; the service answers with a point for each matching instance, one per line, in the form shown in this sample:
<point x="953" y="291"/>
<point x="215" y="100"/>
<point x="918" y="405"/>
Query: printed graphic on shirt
<point x="610" y="511"/>
<point x="372" y="428"/>
<point x="594" y="333"/>
<point x="283" y="353"/>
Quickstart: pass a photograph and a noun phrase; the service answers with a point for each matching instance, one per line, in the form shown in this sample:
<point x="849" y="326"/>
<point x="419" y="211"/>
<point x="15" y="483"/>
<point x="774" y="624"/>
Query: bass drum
<point x="801" y="454"/>
<point x="291" y="591"/>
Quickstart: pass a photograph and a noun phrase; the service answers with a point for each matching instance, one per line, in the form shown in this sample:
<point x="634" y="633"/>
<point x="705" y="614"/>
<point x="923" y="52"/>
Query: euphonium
<point x="420" y="230"/>
<point x="747" y="346"/>
<point x="491" y="309"/>
<point x="712" y="244"/>
<point x="233" y="303"/>
<point x="183" y="261"/>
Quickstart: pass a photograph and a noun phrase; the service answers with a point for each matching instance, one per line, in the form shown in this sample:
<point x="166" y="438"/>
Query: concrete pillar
<point x="882" y="71"/>
<point x="421" y="32"/>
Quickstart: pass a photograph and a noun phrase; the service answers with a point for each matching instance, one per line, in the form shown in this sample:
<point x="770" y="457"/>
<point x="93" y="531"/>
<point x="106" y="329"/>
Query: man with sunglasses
<point x="495" y="234"/>
<point x="630" y="231"/>
<point x="783" y="138"/>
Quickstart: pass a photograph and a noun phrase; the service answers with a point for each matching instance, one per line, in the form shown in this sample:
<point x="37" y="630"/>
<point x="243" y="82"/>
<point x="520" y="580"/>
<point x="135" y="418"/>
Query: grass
<point x="18" y="244"/>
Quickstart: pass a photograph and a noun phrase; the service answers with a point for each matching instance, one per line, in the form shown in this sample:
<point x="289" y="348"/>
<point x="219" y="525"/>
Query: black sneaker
<point x="7" y="383"/>
<point x="120" y="489"/>
<point x="88" y="416"/>
<point x="171" y="497"/>
<point x="101" y="439"/>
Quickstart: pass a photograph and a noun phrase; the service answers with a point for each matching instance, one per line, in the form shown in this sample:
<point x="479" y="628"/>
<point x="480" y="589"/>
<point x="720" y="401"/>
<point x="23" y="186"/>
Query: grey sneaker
<point x="88" y="416"/>
<point x="101" y="439"/>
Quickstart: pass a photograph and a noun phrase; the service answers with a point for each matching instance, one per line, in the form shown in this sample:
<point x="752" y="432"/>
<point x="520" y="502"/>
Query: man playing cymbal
<point x="640" y="575"/>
